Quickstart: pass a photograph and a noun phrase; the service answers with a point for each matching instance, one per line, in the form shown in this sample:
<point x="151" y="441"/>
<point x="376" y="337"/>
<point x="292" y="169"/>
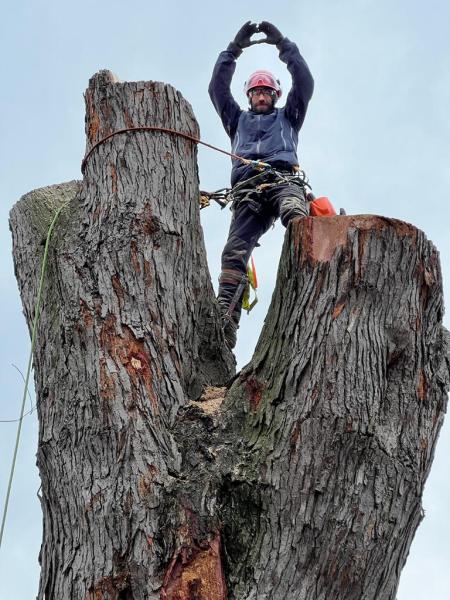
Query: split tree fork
<point x="302" y="477"/>
<point x="263" y="132"/>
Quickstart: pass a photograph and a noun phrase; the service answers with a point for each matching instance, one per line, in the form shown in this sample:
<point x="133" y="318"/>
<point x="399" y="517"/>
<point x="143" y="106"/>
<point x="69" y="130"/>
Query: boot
<point x="231" y="288"/>
<point x="229" y="326"/>
<point x="230" y="332"/>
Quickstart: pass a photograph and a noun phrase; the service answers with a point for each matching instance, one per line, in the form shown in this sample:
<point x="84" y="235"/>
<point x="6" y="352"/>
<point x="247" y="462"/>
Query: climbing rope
<point x="257" y="164"/>
<point x="25" y="414"/>
<point x="224" y="195"/>
<point x="30" y="362"/>
<point x="33" y="406"/>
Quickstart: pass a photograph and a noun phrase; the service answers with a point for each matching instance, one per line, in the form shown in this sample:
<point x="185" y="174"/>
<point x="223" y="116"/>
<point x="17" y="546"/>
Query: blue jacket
<point x="271" y="137"/>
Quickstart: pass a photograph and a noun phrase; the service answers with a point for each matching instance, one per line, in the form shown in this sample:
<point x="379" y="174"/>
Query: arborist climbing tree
<point x="165" y="476"/>
<point x="266" y="133"/>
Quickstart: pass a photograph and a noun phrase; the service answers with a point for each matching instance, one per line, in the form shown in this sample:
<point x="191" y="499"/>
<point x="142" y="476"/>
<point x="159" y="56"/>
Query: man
<point x="263" y="133"/>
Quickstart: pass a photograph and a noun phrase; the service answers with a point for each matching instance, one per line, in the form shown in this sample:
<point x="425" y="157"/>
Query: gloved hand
<point x="244" y="34"/>
<point x="274" y="35"/>
<point x="242" y="39"/>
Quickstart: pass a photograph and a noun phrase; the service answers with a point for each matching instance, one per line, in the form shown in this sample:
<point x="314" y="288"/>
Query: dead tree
<point x="166" y="476"/>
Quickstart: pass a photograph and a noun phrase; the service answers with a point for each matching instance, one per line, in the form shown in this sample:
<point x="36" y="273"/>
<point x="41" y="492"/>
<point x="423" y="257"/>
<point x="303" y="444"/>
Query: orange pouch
<point x="321" y="207"/>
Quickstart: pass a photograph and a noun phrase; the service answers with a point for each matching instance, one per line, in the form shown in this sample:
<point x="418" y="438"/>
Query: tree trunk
<point x="161" y="476"/>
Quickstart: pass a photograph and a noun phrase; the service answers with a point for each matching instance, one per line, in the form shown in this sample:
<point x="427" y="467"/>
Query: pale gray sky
<point x="375" y="140"/>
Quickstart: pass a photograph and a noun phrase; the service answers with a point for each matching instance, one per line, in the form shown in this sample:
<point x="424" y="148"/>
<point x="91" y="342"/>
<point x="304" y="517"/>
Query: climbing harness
<point x="30" y="362"/>
<point x="267" y="176"/>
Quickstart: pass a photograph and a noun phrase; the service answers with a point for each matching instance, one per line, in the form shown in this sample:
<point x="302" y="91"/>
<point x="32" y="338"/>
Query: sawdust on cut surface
<point x="211" y="399"/>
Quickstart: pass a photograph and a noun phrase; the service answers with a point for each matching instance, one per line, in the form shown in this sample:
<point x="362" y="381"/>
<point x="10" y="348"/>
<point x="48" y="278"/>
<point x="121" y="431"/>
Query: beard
<point x="263" y="108"/>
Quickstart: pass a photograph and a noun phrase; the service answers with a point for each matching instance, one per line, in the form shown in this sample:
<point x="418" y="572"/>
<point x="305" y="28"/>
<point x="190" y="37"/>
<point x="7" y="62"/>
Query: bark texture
<point x="129" y="332"/>
<point x="340" y="410"/>
<point x="162" y="477"/>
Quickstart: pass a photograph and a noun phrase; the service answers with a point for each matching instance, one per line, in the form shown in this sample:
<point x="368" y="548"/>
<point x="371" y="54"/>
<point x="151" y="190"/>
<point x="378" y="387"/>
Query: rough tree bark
<point x="163" y="476"/>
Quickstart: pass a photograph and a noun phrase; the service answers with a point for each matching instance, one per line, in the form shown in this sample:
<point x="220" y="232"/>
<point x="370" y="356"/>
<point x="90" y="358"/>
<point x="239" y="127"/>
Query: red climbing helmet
<point x="262" y="79"/>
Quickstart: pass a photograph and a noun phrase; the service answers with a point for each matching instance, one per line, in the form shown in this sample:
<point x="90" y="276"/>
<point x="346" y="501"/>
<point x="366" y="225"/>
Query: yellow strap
<point x="251" y="273"/>
<point x="204" y="201"/>
<point x="253" y="284"/>
<point x="246" y="304"/>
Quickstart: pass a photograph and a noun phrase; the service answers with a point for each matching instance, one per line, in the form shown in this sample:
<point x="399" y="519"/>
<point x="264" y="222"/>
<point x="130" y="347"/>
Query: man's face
<point x="262" y="99"/>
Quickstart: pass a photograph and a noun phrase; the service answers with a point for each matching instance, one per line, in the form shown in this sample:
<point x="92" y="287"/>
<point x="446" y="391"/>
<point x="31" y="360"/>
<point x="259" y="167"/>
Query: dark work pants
<point x="252" y="217"/>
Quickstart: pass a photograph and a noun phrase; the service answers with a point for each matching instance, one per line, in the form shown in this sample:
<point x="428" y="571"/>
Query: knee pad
<point x="292" y="207"/>
<point x="234" y="255"/>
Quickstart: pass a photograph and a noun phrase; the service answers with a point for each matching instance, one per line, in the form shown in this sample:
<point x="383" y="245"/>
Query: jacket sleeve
<point x="220" y="93"/>
<point x="302" y="83"/>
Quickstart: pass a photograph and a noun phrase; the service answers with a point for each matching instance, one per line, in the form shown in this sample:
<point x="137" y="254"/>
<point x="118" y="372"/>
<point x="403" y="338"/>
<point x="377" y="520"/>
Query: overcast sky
<point x="375" y="140"/>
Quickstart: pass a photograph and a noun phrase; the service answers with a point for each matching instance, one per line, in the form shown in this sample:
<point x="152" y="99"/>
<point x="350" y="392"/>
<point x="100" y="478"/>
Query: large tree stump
<point x="161" y="476"/>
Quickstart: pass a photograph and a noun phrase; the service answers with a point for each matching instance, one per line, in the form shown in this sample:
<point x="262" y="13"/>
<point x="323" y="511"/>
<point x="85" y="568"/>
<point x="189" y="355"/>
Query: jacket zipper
<point x="282" y="136"/>
<point x="259" y="133"/>
<point x="236" y="143"/>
